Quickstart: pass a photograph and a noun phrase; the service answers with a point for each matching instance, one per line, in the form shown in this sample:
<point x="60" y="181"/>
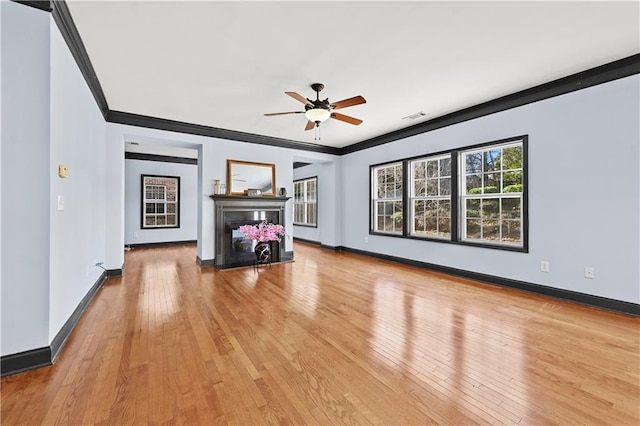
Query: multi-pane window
<point x="387" y="190"/>
<point x="491" y="194"/>
<point x="431" y="196"/>
<point x="160" y="201"/>
<point x="474" y="195"/>
<point x="305" y="202"/>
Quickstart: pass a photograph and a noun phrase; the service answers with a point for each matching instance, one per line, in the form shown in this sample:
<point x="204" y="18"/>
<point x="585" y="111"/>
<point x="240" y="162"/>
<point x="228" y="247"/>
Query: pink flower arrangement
<point x="263" y="231"/>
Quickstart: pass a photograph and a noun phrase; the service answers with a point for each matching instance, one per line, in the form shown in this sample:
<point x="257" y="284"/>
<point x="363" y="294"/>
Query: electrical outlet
<point x="366" y="240"/>
<point x="544" y="266"/>
<point x="589" y="272"/>
<point x="135" y="235"/>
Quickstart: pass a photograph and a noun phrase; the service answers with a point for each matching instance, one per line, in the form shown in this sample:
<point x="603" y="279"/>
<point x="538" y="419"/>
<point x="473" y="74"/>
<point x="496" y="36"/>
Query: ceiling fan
<point x="318" y="111"/>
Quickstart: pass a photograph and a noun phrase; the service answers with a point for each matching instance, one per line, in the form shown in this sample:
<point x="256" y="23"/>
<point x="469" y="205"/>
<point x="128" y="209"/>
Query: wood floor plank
<point x="332" y="338"/>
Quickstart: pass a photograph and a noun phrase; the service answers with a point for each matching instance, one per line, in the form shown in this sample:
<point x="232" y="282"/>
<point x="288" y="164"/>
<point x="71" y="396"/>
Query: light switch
<point x="62" y="171"/>
<point x="60" y="202"/>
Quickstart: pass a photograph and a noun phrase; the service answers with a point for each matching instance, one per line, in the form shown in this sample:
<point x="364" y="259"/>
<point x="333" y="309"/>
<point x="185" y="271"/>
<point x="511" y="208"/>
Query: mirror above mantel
<point x="245" y="175"/>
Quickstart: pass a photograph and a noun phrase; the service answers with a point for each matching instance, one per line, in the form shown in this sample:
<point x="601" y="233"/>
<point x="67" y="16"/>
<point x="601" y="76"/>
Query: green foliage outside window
<point x="488" y="183"/>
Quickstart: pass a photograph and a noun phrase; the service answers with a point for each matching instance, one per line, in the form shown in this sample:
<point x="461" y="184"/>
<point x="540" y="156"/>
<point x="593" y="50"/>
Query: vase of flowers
<point x="263" y="233"/>
<point x="263" y="252"/>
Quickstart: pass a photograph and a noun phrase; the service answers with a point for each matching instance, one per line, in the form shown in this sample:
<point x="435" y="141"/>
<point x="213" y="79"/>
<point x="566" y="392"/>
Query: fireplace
<point x="241" y="246"/>
<point x="232" y="249"/>
<point x="239" y="250"/>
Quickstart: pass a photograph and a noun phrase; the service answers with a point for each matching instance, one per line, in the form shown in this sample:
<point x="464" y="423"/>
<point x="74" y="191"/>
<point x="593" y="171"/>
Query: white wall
<point x="583" y="192"/>
<point x="213" y="154"/>
<point x="188" y="173"/>
<point x="49" y="117"/>
<point x="114" y="159"/>
<point x="1" y="173"/>
<point x="329" y="203"/>
<point x="78" y="142"/>
<point x="25" y="177"/>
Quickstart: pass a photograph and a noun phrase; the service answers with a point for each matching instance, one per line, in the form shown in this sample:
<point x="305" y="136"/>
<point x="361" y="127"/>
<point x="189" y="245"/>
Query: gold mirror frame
<point x="245" y="175"/>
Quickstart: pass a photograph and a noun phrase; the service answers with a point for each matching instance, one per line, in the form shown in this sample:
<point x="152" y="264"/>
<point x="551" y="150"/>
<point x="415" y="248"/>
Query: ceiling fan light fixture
<point x="317" y="114"/>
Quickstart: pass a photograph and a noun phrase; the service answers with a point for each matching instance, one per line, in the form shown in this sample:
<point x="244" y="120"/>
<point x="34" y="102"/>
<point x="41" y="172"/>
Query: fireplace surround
<point x="232" y="249"/>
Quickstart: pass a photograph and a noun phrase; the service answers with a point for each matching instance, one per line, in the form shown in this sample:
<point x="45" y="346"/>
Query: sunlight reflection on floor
<point x="161" y="289"/>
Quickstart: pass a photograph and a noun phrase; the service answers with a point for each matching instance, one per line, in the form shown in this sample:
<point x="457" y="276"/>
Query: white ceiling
<point x="225" y="64"/>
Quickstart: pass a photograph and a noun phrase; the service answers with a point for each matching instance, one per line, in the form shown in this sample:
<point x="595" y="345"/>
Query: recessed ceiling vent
<point x="415" y="116"/>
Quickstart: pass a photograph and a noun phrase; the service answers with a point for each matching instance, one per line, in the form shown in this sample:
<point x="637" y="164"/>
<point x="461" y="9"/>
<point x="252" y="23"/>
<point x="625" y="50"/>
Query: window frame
<point x="499" y="196"/>
<point x="373" y="199"/>
<point x="456" y="198"/>
<point x="305" y="202"/>
<point x="144" y="201"/>
<point x="412" y="197"/>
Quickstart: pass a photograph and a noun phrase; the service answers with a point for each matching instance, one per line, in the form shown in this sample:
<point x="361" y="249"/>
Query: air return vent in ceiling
<point x="415" y="116"/>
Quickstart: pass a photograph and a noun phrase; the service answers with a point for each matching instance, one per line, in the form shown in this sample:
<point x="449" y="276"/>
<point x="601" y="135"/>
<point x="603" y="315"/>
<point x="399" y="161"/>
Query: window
<point x="305" y="202"/>
<point x="475" y="195"/>
<point x="160" y="202"/>
<point x="387" y="187"/>
<point x="431" y="196"/>
<point x="491" y="194"/>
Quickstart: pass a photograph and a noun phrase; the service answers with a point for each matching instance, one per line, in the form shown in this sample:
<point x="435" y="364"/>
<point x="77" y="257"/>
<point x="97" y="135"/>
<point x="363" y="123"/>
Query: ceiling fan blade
<point x="310" y="125"/>
<point x="346" y="118"/>
<point x="356" y="100"/>
<point x="299" y="97"/>
<point x="269" y="114"/>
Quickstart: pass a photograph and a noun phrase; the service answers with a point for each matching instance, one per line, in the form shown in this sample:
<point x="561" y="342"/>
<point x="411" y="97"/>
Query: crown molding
<point x="38" y="4"/>
<point x="602" y="74"/>
<point x="213" y="132"/>
<point x="64" y="21"/>
<point x="128" y="155"/>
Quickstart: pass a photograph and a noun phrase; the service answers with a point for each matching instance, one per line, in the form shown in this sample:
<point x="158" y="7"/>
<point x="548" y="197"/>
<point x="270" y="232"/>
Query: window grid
<point x="305" y="202"/>
<point x="492" y="194"/>
<point x="387" y="198"/>
<point x="431" y="197"/>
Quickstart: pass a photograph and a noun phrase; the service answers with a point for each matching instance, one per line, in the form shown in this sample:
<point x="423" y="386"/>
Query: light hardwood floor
<point x="334" y="338"/>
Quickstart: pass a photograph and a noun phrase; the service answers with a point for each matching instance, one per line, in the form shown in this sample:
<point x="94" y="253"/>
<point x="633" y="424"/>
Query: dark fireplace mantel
<point x="231" y="211"/>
